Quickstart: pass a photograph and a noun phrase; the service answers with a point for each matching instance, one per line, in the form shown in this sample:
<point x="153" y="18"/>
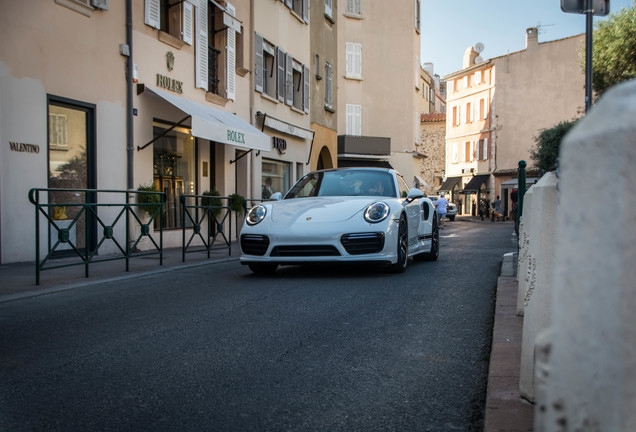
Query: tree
<point x="614" y="50"/>
<point x="548" y="143"/>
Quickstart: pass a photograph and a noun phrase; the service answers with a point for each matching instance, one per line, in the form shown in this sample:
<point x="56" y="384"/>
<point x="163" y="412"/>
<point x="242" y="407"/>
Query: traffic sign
<point x="600" y="7"/>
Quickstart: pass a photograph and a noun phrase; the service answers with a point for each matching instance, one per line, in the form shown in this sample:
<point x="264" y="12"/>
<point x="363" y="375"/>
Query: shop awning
<point x="475" y="183"/>
<point x="449" y="184"/>
<point x="216" y="125"/>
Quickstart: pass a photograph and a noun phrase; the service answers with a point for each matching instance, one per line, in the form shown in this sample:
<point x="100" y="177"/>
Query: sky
<point x="451" y="26"/>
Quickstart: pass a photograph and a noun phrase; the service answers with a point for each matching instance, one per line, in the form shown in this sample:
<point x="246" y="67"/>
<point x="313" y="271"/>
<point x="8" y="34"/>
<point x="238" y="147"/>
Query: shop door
<point x="71" y="150"/>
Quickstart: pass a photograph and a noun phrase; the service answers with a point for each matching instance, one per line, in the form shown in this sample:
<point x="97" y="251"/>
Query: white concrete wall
<point x="591" y="369"/>
<point x="540" y="209"/>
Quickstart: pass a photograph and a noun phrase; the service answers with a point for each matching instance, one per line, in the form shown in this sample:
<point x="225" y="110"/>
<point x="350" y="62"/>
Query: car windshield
<point x="344" y="183"/>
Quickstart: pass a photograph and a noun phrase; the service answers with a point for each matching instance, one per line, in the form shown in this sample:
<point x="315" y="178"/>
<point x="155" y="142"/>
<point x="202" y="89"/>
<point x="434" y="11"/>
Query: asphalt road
<point x="216" y="348"/>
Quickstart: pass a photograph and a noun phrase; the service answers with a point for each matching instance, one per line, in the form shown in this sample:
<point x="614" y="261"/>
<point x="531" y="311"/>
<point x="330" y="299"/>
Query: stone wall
<point x="433" y="146"/>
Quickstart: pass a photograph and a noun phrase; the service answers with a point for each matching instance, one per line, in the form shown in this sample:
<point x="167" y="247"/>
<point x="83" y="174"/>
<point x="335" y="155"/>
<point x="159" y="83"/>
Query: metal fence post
<point x="522" y="185"/>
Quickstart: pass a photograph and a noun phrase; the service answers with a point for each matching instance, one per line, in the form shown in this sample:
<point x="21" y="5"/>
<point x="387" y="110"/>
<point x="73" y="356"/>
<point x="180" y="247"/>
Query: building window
<point x="354" y="7"/>
<point x="297" y="77"/>
<point x="353" y="60"/>
<point x="354" y="120"/>
<point x="328" y="86"/>
<point x="455" y="152"/>
<point x="222" y="52"/>
<point x="275" y="177"/>
<point x="174" y="170"/>
<point x="482" y="149"/>
<point x="269" y="69"/>
<point x="467" y="152"/>
<point x="175" y="19"/>
<point x="317" y="67"/>
<point x="466" y="82"/>
<point x="58" y="131"/>
<point x="469" y="112"/>
<point x="417" y="15"/>
<point x="478" y="77"/>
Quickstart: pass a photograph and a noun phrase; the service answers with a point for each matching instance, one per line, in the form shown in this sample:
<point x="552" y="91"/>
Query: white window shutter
<point x="358" y="118"/>
<point x="201" y="46"/>
<point x="231" y="64"/>
<point x="289" y="80"/>
<point x="472" y="151"/>
<point x="455" y="152"/>
<point x="306" y="11"/>
<point x="306" y="89"/>
<point x="485" y="156"/>
<point x="328" y="85"/>
<point x="485" y="108"/>
<point x="349" y="58"/>
<point x="230" y="57"/>
<point x="358" y="60"/>
<point x="258" y="61"/>
<point x="153" y="13"/>
<point x="188" y="23"/>
<point x="280" y="74"/>
<point x="349" y="121"/>
<point x="328" y="8"/>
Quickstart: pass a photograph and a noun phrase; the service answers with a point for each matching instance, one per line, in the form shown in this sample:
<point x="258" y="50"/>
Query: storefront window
<point x="276" y="177"/>
<point x="174" y="170"/>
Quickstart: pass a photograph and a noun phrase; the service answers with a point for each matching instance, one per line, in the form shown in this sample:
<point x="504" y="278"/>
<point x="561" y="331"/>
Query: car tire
<point x="434" y="252"/>
<point x="263" y="268"/>
<point x="402" y="247"/>
<point x="452" y="218"/>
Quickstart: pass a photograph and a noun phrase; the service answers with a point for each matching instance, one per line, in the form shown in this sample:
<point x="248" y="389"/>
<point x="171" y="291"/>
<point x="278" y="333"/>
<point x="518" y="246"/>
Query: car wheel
<point x="452" y="218"/>
<point x="402" y="247"/>
<point x="434" y="252"/>
<point x="263" y="268"/>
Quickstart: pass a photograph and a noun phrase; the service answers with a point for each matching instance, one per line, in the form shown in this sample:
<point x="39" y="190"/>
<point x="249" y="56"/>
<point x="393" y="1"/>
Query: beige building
<point x="324" y="97"/>
<point x="192" y="127"/>
<point x="62" y="112"/>
<point x="378" y="84"/>
<point x="495" y="110"/>
<point x="280" y="92"/>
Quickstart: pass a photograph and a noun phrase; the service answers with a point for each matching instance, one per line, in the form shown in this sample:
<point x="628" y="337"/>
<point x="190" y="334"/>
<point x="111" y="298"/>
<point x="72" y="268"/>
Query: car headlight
<point x="256" y="214"/>
<point x="376" y="212"/>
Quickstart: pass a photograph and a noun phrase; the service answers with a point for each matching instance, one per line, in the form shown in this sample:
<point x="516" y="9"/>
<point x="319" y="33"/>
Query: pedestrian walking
<point x="442" y="206"/>
<point x="496" y="205"/>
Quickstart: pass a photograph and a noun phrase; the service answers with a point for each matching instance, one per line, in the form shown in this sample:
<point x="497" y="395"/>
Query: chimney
<point x="469" y="57"/>
<point x="532" y="37"/>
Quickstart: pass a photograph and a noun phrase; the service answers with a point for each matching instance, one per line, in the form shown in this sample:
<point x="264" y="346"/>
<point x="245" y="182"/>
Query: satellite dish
<point x="479" y="47"/>
<point x="478" y="59"/>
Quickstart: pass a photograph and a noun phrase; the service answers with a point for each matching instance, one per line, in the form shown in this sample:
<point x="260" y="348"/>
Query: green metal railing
<point x="199" y="209"/>
<point x="84" y="206"/>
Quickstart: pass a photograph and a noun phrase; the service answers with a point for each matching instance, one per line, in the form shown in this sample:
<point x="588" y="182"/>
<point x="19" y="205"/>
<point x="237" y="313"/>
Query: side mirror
<point x="276" y="196"/>
<point x="414" y="194"/>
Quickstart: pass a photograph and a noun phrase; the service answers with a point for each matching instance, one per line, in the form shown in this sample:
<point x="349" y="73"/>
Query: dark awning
<point x="475" y="183"/>
<point x="366" y="163"/>
<point x="449" y="184"/>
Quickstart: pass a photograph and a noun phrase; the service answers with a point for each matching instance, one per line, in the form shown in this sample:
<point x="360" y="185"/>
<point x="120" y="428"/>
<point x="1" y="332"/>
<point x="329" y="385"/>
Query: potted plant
<point x="148" y="201"/>
<point x="238" y="203"/>
<point x="211" y="199"/>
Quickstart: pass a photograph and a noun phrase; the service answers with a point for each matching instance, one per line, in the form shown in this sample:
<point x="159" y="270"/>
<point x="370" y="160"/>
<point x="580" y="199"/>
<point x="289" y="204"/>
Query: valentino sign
<point x="24" y="148"/>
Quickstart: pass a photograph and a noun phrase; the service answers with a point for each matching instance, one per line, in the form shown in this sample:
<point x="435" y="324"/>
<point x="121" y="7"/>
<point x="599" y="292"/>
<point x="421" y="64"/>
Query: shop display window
<point x="276" y="177"/>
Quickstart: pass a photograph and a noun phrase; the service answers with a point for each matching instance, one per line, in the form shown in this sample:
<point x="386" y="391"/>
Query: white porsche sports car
<point x="341" y="215"/>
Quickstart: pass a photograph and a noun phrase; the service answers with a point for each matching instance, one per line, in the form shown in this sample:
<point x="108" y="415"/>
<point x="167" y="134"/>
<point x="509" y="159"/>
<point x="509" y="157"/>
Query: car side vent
<point x="254" y="244"/>
<point x="363" y="243"/>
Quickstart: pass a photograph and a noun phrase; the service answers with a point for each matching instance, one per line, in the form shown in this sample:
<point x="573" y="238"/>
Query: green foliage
<point x="614" y="50"/>
<point x="211" y="198"/>
<point x="238" y="202"/>
<point x="548" y="143"/>
<point x="149" y="201"/>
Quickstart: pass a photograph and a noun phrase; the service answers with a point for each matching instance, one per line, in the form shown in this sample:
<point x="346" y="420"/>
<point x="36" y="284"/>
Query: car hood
<point x="319" y="209"/>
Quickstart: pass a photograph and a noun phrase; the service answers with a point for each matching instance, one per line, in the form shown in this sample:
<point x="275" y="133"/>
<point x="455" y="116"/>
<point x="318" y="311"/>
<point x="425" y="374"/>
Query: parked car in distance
<point x="451" y="211"/>
<point x="341" y="215"/>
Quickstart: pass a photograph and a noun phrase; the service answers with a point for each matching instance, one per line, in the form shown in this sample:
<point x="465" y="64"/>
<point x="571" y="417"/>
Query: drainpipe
<point x="130" y="148"/>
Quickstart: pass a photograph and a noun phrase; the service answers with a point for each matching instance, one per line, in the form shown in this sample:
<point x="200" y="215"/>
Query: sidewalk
<point x="505" y="410"/>
<point x="18" y="280"/>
